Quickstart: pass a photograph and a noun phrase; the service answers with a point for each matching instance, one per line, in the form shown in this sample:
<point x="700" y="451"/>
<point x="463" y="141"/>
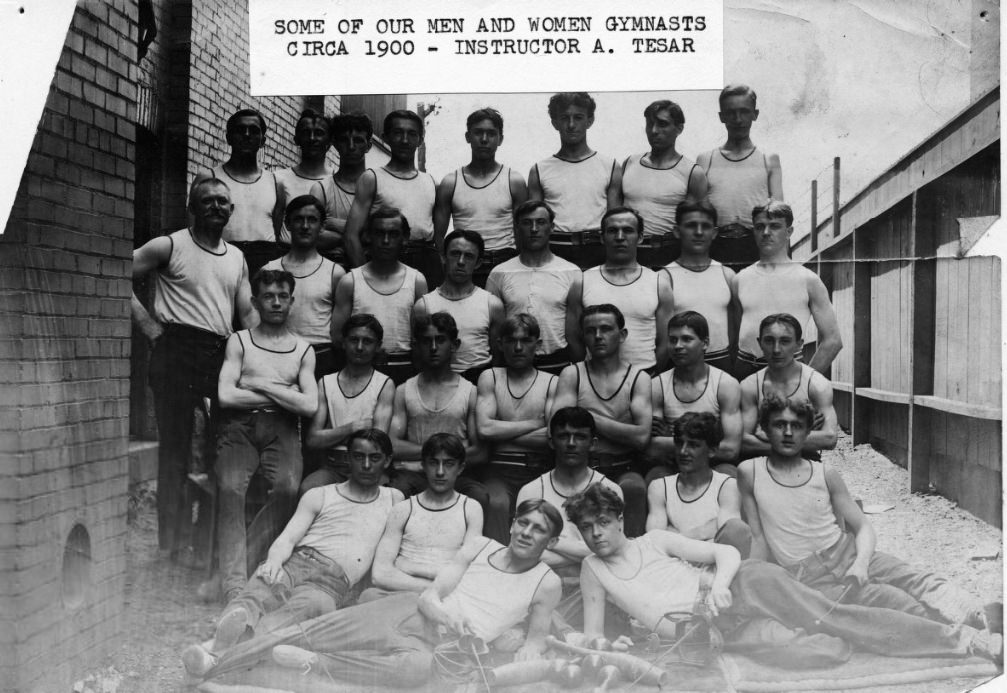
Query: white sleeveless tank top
<point x="252" y="218"/>
<point x="290" y="184"/>
<point x="413" y="196"/>
<point x="485" y="210"/>
<point x="614" y="407"/>
<point x="343" y="201"/>
<point x="796" y="520"/>
<point x="393" y="310"/>
<point x="763" y="293"/>
<point x="431" y="538"/>
<point x="423" y="421"/>
<point x="638" y="302"/>
<point x="707" y="293"/>
<point x="663" y="584"/>
<point x="472" y="316"/>
<point x="491" y="599"/>
<point x="343" y="408"/>
<point x="198" y="287"/>
<point x="311" y="314"/>
<point x="260" y="362"/>
<point x="655" y="192"/>
<point x="347" y="531"/>
<point x="737" y="186"/>
<point x="707" y="402"/>
<point x="576" y="190"/>
<point x="522" y="406"/>
<point x="697" y="518"/>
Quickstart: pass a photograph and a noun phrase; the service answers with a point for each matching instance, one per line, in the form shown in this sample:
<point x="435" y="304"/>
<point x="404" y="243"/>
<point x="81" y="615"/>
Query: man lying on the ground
<point x="794" y="507"/>
<point x="324" y="551"/>
<point x="425" y="531"/>
<point x="663" y="576"/>
<point x="486" y="590"/>
<point x="698" y="502"/>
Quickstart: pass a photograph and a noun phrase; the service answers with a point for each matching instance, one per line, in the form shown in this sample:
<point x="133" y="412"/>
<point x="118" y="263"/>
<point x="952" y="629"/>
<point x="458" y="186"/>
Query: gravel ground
<point x="162" y="615"/>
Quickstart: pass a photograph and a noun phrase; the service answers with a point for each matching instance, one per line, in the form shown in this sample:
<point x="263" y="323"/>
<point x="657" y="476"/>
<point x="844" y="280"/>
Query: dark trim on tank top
<point x="489" y="562"/>
<point x="656" y="168"/>
<point x="762" y="387"/>
<point x="705" y="386"/>
<point x="293" y="169"/>
<point x="511" y="392"/>
<point x="272" y="351"/>
<point x="458" y="497"/>
<point x="419" y="396"/>
<point x="480" y="187"/>
<point x="362" y="390"/>
<point x="601" y="273"/>
<point x="775" y="481"/>
<point x="736" y="161"/>
<point x="416" y="174"/>
<point x="373" y="500"/>
<point x="171" y="250"/>
<point x="205" y="249"/>
<point x="475" y="290"/>
<point x="590" y="481"/>
<point x="405" y="275"/>
<point x="590" y="382"/>
<point x="579" y="161"/>
<point x="241" y="182"/>
<point x="304" y="276"/>
<point x="336" y="183"/>
<point x="678" y="491"/>
<point x="692" y="269"/>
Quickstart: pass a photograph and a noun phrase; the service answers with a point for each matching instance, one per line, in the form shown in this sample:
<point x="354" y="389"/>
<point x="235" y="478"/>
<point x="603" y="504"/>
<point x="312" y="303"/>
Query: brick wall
<point x="64" y="368"/>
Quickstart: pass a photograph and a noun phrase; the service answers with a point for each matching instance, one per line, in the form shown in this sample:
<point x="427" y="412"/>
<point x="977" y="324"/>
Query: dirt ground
<point x="163" y="615"/>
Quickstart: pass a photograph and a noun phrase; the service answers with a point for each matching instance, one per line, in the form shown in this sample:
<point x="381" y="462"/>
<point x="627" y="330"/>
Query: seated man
<point x="787" y="378"/>
<point x="795" y="506"/>
<point x="312" y="567"/>
<point x="698" y="502"/>
<point x="655" y="579"/>
<point x="486" y="590"/>
<point x="424" y="532"/>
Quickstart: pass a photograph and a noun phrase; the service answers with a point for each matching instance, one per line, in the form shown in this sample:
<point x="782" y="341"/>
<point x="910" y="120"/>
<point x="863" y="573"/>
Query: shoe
<point x="197" y="661"/>
<point x="988" y="645"/>
<point x="294" y="657"/>
<point x="987" y="617"/>
<point x="230" y="628"/>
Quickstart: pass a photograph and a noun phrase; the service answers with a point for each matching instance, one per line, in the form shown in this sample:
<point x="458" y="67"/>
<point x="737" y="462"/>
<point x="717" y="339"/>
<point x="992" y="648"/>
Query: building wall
<point x="64" y="364"/>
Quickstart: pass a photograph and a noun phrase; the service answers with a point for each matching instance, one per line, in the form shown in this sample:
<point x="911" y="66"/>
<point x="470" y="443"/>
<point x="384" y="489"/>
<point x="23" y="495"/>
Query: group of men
<point x="564" y="359"/>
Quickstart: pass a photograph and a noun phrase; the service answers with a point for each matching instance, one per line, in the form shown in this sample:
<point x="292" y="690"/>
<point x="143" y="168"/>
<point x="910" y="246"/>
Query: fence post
<point x="835" y="197"/>
<point x="814" y="215"/>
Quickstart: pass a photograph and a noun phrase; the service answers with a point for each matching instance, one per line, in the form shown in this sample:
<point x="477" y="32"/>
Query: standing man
<point x="642" y="295"/>
<point x="578" y="183"/>
<point x="477" y="312"/>
<point x="399" y="184"/>
<point x="512" y="409"/>
<point x="199" y="280"/>
<point x="654" y="183"/>
<point x="777" y="284"/>
<point x="316" y="277"/>
<point x="740" y="176"/>
<point x="617" y="393"/>
<point x="482" y="195"/>
<point x="386" y="288"/>
<point x="266" y="383"/>
<point x="543" y="285"/>
<point x="351" y="138"/>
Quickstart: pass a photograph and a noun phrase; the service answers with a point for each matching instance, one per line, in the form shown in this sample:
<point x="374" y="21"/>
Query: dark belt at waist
<point x="398" y="358"/>
<point x="238" y="413"/>
<point x="586" y="237"/>
<point x="733" y="230"/>
<point x="499" y="255"/>
<point x="520" y="459"/>
<point x="604" y="460"/>
<point x="556" y="358"/>
<point x="175" y="330"/>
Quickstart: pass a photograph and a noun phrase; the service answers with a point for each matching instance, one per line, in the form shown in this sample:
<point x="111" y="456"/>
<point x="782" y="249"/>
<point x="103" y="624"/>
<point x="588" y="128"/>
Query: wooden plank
<point x="977" y="307"/>
<point x="841" y="386"/>
<point x="940" y="327"/>
<point x="920" y="452"/>
<point x="942" y="404"/>
<point x="957" y="347"/>
<point x="884" y="395"/>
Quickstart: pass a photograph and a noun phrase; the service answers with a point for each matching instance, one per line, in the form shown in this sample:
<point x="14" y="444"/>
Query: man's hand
<point x="660" y="428"/>
<point x="525" y="654"/>
<point x="363" y="422"/>
<point x="859" y="573"/>
<point x="719" y="598"/>
<point x="818" y="422"/>
<point x="576" y="639"/>
<point x="270" y="571"/>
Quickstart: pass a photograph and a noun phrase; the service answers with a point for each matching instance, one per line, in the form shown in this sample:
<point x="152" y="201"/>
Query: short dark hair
<point x="691" y="204"/>
<point x="701" y="426"/>
<point x="596" y="499"/>
<point x="365" y="320"/>
<point x="774" y="404"/>
<point x="529" y="206"/>
<point x="441" y="321"/>
<point x="303" y="201"/>
<point x="574" y="417"/>
<point x="387" y="212"/>
<point x="443" y="442"/>
<point x="403" y="113"/>
<point x="371" y="435"/>
<point x="674" y="110"/>
<point x="599" y="308"/>
<point x="348" y="122"/>
<point x="242" y="113"/>
<point x="466" y="235"/>
<point x="693" y="320"/>
<point x="785" y="319"/>
<point x="202" y="183"/>
<point x="564" y="99"/>
<point x="737" y="90"/>
<point x="265" y="277"/>
<point x="623" y="209"/>
<point x="518" y="321"/>
<point x="490" y="114"/>
<point x="312" y="114"/>
<point x="775" y="209"/>
<point x="546" y="508"/>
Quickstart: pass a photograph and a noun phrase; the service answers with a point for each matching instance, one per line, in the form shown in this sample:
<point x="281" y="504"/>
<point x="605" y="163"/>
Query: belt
<point x="520" y="459"/>
<point x="496" y="256"/>
<point x="733" y="230"/>
<point x="603" y="460"/>
<point x="586" y="237"/>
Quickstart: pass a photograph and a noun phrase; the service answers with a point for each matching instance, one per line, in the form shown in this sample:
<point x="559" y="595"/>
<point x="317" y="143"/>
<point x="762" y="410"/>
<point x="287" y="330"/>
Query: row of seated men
<point x="813" y="590"/>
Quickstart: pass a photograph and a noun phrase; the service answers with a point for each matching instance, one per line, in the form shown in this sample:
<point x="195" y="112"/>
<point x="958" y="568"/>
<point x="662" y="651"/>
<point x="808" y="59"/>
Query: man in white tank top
<point x="477" y="312"/>
<point x="349" y="400"/>
<point x="424" y="532"/>
<point x="486" y="590"/>
<point x="266" y="383"/>
<point x="482" y="195"/>
<point x="617" y="393"/>
<point x="740" y="176"/>
<point x="777" y="284"/>
<point x="704" y="285"/>
<point x="399" y="184"/>
<point x="352" y="134"/>
<point x="316" y="277"/>
<point x="200" y="280"/>
<point x="787" y="378"/>
<point x="578" y="183"/>
<point x="643" y="295"/>
<point x="323" y="552"/>
<point x="386" y="288"/>
<point x="697" y="501"/>
<point x="655" y="182"/>
<point x="693" y="385"/>
<point x="795" y="506"/>
<point x="663" y="581"/>
<point x="512" y="408"/>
